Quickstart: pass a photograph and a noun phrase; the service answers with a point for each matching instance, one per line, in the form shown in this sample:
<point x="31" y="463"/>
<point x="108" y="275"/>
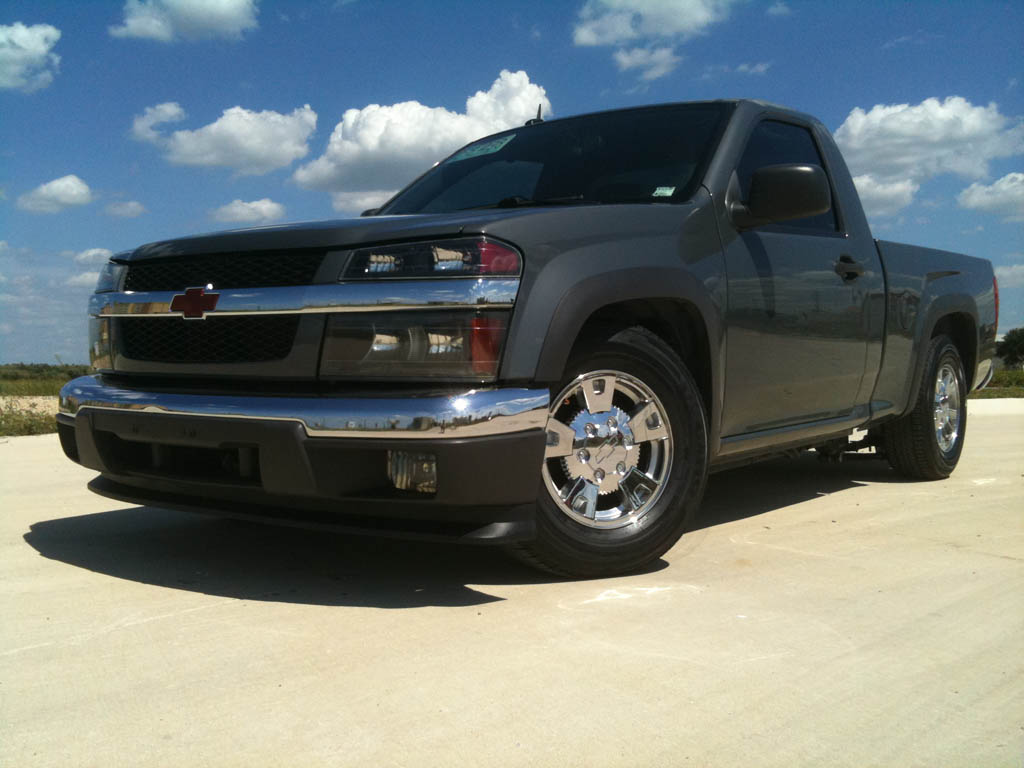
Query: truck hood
<point x="521" y="226"/>
<point x="338" y="233"/>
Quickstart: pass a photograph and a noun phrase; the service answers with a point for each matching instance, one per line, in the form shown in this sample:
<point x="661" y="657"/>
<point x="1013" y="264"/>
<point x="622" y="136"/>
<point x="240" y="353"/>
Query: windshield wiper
<point x="517" y="201"/>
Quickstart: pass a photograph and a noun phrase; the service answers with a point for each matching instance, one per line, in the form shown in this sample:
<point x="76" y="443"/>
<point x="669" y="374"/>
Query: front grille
<point x="225" y="270"/>
<point x="213" y="340"/>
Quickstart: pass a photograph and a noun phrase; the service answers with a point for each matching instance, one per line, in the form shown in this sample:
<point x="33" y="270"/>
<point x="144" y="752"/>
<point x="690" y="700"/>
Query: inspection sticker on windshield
<point x="484" y="148"/>
<point x="664" y="192"/>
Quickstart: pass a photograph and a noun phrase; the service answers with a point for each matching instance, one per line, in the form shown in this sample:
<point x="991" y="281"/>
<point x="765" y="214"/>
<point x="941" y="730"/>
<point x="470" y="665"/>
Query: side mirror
<point x="783" y="193"/>
<point x="370" y="212"/>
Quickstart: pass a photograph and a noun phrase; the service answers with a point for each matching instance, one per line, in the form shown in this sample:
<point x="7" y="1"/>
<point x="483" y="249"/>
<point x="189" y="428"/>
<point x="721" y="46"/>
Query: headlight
<point x="464" y="345"/>
<point x="110" y="277"/>
<point x="461" y="257"/>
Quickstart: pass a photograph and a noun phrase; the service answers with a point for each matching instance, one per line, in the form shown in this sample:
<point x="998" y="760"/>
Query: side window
<point x="775" y="143"/>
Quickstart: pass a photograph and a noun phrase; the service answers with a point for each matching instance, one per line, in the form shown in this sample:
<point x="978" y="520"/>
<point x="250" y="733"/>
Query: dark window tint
<point x="774" y="143"/>
<point x="648" y="155"/>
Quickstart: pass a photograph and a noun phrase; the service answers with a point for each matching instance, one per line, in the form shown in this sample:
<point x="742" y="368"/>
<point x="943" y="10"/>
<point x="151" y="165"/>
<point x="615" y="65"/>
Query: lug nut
<point x="620" y="468"/>
<point x="583" y="456"/>
<point x="612" y="423"/>
<point x="590" y="429"/>
<point x="599" y="475"/>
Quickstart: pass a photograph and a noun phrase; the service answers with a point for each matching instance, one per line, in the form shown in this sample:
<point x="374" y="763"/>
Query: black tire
<point x="912" y="442"/>
<point x="652" y="515"/>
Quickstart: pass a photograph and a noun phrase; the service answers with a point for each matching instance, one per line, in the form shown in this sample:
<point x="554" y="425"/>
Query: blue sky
<point x="123" y="123"/>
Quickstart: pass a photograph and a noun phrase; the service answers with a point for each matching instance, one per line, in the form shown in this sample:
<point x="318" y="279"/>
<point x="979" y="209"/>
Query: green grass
<point x="1005" y="383"/>
<point x="31" y="387"/>
<point x="990" y="392"/>
<point x="1008" y="378"/>
<point x="18" y="371"/>
<point x="33" y="379"/>
<point x="17" y="420"/>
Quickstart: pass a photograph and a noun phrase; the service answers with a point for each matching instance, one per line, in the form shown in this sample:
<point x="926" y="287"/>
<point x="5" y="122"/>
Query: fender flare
<point x="938" y="308"/>
<point x="637" y="283"/>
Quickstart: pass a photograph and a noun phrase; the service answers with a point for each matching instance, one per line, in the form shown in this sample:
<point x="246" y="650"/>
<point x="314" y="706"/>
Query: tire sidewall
<point x="944" y="352"/>
<point x="634" y="544"/>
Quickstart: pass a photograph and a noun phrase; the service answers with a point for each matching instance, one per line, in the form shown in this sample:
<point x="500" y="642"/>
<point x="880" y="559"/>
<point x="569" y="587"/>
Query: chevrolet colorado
<point x="546" y="341"/>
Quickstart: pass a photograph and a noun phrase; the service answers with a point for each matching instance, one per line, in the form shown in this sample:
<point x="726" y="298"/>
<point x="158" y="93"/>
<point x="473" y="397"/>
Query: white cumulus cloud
<point x="645" y="26"/>
<point x="1004" y="197"/>
<point x="653" y="62"/>
<point x="83" y="279"/>
<point x="143" y="125"/>
<point x="93" y="256"/>
<point x="614" y="22"/>
<point x="778" y="9"/>
<point x="252" y="143"/>
<point x="126" y="209"/>
<point x="254" y="212"/>
<point x="902" y="145"/>
<point x="754" y="69"/>
<point x="379" y="148"/>
<point x="1011" y="276"/>
<point x="170" y="20"/>
<point x="884" y="198"/>
<point x="56" y="195"/>
<point x="357" y="202"/>
<point x="26" y="59"/>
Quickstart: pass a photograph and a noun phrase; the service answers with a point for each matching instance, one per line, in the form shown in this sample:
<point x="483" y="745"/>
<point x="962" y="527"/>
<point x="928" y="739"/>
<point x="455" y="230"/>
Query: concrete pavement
<point x="819" y="615"/>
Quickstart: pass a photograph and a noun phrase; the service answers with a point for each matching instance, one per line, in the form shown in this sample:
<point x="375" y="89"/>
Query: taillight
<point x="458" y="257"/>
<point x="995" y="291"/>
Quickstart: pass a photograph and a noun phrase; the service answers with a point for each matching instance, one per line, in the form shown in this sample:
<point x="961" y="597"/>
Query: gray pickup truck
<point x="546" y="341"/>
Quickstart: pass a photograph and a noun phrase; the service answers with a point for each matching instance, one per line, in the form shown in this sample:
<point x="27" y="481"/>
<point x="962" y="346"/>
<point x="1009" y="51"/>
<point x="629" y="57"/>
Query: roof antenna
<point x="537" y="119"/>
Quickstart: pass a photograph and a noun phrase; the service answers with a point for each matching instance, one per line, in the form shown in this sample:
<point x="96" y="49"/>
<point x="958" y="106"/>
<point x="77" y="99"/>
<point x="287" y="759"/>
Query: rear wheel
<point x="926" y="443"/>
<point x="626" y="459"/>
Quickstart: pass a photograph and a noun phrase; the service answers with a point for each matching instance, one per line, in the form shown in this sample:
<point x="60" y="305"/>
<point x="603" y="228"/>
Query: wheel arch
<point x="671" y="303"/>
<point x="962" y="329"/>
<point x="953" y="315"/>
<point x="676" y="322"/>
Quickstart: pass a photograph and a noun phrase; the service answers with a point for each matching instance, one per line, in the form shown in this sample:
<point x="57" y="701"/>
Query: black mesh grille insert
<point x="225" y="270"/>
<point x="213" y="340"/>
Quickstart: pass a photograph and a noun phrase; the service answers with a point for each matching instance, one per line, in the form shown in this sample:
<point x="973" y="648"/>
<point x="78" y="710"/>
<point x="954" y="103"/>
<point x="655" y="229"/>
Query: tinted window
<point x="775" y="143"/>
<point x="649" y="155"/>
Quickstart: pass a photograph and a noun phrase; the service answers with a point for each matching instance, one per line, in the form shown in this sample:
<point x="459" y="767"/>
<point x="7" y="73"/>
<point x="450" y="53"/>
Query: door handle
<point x="848" y="269"/>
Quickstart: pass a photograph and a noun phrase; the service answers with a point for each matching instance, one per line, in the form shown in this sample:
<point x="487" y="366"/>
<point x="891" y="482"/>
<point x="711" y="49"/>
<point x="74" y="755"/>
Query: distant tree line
<point x="1011" y="348"/>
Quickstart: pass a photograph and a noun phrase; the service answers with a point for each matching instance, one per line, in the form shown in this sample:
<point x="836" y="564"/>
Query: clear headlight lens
<point x="462" y="345"/>
<point x="111" y="277"/>
<point x="460" y="257"/>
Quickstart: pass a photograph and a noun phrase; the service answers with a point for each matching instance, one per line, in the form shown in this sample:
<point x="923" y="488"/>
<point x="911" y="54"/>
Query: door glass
<point x="775" y="143"/>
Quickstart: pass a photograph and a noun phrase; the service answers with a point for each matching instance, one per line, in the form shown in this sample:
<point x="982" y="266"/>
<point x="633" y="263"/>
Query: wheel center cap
<point x="605" y="449"/>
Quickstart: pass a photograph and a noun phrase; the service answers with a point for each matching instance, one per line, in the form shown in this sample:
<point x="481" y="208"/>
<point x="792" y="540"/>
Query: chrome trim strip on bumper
<point x="472" y="413"/>
<point x="362" y="296"/>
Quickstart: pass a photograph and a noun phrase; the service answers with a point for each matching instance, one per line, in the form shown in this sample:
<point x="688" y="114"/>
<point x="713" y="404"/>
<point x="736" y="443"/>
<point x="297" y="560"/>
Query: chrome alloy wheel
<point x="609" y="450"/>
<point x="947" y="408"/>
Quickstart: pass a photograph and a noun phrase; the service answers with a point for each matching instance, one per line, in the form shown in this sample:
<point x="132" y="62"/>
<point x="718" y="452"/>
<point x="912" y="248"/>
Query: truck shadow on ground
<point x="250" y="561"/>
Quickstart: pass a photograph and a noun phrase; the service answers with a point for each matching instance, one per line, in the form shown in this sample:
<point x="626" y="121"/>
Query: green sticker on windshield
<point x="664" y="192"/>
<point x="483" y="148"/>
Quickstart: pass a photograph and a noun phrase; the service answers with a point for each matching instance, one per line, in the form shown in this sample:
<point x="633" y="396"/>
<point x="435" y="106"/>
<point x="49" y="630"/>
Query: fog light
<point x="413" y="471"/>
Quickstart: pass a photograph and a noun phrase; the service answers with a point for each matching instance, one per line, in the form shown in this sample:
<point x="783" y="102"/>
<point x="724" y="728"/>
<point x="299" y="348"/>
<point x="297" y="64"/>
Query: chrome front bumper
<point x="470" y="413"/>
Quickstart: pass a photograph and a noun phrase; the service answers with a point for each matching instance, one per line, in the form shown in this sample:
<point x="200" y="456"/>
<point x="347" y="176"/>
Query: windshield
<point x="646" y="155"/>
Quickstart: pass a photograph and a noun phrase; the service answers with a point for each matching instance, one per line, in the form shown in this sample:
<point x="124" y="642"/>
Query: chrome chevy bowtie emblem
<point x="194" y="303"/>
